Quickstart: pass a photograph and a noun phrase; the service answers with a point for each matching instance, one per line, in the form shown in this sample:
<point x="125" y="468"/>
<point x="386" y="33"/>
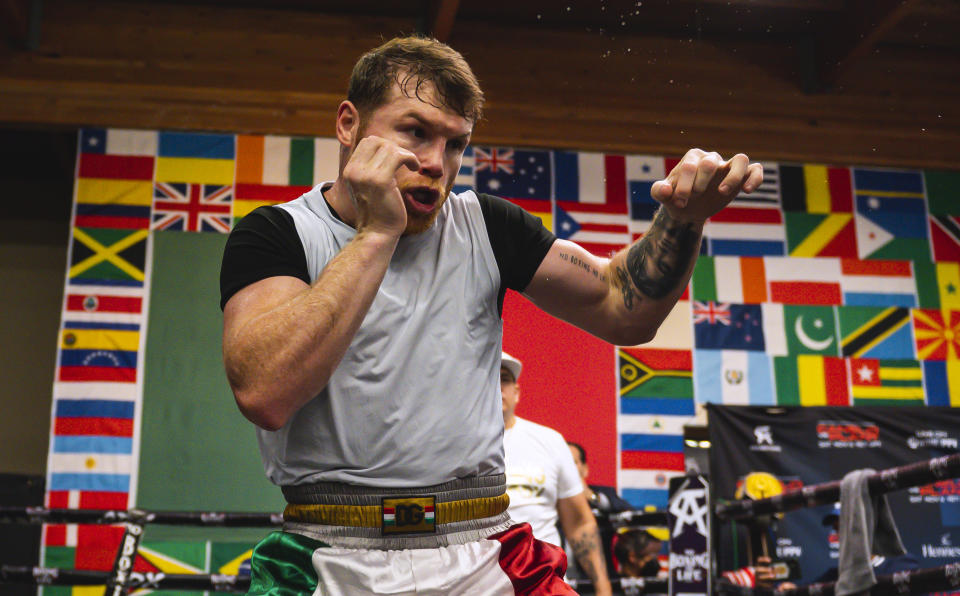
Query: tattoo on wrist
<point x="659" y="261"/>
<point x="575" y="260"/>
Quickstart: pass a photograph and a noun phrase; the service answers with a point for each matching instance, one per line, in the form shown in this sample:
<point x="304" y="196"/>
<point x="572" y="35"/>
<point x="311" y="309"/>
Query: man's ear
<point x="348" y="123"/>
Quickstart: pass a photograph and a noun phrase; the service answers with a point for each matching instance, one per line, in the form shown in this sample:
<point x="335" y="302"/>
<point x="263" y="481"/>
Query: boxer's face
<point x="509" y="391"/>
<point x="416" y="120"/>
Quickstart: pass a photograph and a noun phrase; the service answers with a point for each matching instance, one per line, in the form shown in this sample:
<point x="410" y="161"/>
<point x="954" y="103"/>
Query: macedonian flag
<point x="937" y="334"/>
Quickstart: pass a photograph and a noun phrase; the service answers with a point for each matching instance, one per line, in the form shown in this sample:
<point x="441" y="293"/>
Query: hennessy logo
<point x="409" y="515"/>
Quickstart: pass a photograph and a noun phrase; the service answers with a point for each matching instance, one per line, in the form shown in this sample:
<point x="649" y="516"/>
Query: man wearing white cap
<point x="544" y="484"/>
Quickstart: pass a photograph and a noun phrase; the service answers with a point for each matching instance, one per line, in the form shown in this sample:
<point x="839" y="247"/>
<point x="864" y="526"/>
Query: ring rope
<point x="916" y="581"/>
<point x="44" y="515"/>
<point x="52" y="576"/>
<point x="891" y="479"/>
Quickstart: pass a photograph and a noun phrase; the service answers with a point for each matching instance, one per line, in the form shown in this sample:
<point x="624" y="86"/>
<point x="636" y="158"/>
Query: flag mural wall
<point x="830" y="285"/>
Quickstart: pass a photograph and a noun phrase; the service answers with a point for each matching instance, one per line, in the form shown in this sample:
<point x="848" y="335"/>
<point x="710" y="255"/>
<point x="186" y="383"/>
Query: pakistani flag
<point x="811" y="330"/>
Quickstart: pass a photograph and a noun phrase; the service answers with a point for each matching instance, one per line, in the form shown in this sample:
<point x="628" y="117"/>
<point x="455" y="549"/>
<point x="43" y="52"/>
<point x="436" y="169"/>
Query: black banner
<point x="688" y="517"/>
<point x="797" y="447"/>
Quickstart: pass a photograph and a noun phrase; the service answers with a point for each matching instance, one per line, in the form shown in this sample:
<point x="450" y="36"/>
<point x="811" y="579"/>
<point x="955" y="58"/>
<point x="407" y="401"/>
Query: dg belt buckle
<point x="409" y="515"/>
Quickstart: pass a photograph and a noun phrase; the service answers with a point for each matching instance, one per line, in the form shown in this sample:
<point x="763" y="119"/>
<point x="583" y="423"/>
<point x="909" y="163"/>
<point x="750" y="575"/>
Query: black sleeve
<point x="264" y="244"/>
<point x="519" y="241"/>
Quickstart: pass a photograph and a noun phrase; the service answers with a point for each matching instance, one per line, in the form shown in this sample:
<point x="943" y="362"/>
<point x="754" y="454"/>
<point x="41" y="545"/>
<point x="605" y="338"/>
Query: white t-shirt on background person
<point x="540" y="471"/>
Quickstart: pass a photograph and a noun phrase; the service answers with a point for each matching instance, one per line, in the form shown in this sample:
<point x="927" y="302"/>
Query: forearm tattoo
<point x="659" y="261"/>
<point x="584" y="545"/>
<point x="626" y="288"/>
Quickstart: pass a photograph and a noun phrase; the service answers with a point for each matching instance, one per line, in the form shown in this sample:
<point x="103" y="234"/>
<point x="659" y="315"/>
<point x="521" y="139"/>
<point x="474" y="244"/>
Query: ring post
<point x="688" y="517"/>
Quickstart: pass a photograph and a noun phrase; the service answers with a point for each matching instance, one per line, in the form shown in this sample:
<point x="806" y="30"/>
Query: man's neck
<point x="339" y="198"/>
<point x="509" y="421"/>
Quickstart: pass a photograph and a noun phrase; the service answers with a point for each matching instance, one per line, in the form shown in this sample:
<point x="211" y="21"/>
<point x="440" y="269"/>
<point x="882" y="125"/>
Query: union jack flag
<point x="192" y="207"/>
<point x="711" y="312"/>
<point x="493" y="159"/>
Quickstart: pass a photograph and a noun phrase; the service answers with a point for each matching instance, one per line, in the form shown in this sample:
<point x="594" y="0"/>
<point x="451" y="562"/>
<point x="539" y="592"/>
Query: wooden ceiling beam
<point x="866" y="23"/>
<point x="440" y="17"/>
<point x="15" y="16"/>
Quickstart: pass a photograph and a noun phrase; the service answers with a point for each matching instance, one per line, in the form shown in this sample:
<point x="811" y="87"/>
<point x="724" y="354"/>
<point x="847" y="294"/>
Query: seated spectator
<point x="636" y="552"/>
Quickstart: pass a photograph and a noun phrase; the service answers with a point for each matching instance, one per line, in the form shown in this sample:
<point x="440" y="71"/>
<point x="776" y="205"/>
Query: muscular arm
<point x="624" y="299"/>
<point x="580" y="529"/>
<point x="282" y="338"/>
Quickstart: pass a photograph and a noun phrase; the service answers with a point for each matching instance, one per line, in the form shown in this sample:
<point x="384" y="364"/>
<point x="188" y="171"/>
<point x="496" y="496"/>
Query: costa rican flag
<point x="192" y="207"/>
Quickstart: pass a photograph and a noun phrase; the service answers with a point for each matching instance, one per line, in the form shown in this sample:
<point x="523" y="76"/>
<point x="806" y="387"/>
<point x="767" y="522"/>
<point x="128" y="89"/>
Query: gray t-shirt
<point x="416" y="399"/>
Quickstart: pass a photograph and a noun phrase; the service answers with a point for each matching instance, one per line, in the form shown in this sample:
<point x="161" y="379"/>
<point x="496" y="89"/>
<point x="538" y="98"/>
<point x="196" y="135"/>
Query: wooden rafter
<point x="866" y="24"/>
<point x="15" y="19"/>
<point x="439" y="18"/>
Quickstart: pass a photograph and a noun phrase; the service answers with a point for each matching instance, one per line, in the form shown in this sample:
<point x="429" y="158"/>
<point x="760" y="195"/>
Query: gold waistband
<point x="372" y="516"/>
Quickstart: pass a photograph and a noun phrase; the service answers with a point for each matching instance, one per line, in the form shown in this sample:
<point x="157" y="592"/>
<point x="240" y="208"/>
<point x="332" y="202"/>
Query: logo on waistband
<point x="402" y="515"/>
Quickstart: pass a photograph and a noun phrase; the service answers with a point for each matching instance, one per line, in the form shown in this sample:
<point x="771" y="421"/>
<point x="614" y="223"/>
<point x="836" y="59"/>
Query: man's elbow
<point x="258" y="410"/>
<point x="631" y="335"/>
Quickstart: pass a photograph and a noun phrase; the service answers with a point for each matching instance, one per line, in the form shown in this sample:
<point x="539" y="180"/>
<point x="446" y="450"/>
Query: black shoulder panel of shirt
<point x="519" y="241"/>
<point x="265" y="244"/>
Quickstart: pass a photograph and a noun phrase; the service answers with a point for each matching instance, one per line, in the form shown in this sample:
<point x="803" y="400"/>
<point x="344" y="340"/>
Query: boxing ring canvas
<point x="828" y="286"/>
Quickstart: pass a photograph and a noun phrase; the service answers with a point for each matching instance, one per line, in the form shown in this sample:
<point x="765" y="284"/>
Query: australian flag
<point x="512" y="173"/>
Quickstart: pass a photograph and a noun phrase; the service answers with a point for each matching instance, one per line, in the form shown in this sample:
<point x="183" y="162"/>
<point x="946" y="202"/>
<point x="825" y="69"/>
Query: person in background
<point x="544" y="485"/>
<point x="602" y="498"/>
<point x="636" y="552"/>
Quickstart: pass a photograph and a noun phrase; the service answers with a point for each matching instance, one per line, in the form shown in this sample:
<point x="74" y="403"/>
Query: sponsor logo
<point x="689" y="568"/>
<point x="689" y="560"/>
<point x="786" y="549"/>
<point x="901" y="582"/>
<point x="690" y="509"/>
<point x="943" y="491"/>
<point x="847" y="435"/>
<point x="944" y="550"/>
<point x="223" y="583"/>
<point x="213" y="518"/>
<point x="123" y="567"/>
<point x="952" y="573"/>
<point x="409" y="514"/>
<point x="764" y="440"/>
<point x="937" y="439"/>
<point x="45" y="575"/>
<point x="938" y="467"/>
<point x="149" y="580"/>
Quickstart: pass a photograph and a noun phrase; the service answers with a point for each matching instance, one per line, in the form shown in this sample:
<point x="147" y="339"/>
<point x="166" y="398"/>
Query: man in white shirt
<point x="544" y="484"/>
